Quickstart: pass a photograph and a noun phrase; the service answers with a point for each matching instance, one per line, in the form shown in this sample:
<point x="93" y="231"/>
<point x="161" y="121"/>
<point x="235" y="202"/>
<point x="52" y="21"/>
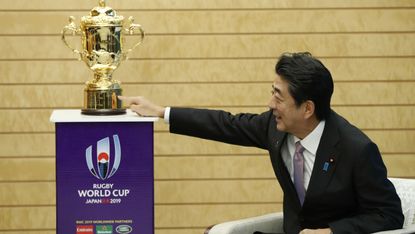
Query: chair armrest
<point x="407" y="230"/>
<point x="269" y="223"/>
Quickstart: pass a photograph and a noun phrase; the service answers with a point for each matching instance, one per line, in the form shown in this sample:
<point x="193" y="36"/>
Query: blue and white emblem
<point x="103" y="158"/>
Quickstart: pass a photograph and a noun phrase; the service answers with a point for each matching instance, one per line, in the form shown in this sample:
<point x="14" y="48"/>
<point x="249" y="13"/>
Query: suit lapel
<point x="278" y="164"/>
<point x="326" y="158"/>
<point x="281" y="170"/>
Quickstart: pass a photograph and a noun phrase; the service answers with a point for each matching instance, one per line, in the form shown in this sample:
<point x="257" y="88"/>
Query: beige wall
<point x="215" y="54"/>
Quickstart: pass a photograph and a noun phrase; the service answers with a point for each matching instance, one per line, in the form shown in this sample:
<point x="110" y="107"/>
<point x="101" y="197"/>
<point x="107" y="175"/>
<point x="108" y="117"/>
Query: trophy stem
<point x="99" y="77"/>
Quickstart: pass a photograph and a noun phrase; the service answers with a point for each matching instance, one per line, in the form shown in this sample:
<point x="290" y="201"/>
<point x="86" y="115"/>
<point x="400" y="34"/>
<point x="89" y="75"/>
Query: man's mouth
<point x="277" y="117"/>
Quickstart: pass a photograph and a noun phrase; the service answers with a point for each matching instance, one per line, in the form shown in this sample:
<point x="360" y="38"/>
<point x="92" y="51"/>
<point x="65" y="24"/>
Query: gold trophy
<point x="102" y="35"/>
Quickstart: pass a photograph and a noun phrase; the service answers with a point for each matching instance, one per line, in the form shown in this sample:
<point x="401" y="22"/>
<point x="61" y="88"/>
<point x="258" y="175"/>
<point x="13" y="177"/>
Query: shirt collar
<point x="312" y="140"/>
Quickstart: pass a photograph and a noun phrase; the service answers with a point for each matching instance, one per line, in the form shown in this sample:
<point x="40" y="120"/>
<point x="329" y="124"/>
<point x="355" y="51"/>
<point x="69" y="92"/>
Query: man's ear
<point x="309" y="109"/>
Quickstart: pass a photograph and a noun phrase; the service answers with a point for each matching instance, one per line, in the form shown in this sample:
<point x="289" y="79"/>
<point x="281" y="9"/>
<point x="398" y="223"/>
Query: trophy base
<point x="103" y="111"/>
<point x="100" y="98"/>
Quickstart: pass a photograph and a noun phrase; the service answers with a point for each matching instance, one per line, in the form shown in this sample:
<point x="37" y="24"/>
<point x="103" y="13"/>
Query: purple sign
<point x="104" y="177"/>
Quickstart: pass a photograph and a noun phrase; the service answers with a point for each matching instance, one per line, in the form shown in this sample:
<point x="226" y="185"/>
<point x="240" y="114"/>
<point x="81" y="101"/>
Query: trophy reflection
<point x="102" y="36"/>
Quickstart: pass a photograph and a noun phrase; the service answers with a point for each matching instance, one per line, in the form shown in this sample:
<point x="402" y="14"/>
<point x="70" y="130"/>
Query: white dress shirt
<point x="310" y="143"/>
<point x="167" y="115"/>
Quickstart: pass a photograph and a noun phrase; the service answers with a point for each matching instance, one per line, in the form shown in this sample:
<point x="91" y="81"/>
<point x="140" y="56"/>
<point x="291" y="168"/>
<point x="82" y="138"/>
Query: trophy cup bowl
<point x="102" y="36"/>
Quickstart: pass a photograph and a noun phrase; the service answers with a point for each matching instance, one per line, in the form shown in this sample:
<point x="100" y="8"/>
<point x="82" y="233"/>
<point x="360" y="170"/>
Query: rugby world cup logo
<point x="105" y="168"/>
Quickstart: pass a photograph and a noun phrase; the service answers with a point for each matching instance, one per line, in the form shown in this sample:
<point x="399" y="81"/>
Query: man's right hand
<point x="142" y="106"/>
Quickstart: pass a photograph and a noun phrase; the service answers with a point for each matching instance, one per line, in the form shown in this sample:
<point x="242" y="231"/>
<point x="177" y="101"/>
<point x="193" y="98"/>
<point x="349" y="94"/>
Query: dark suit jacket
<point x="353" y="195"/>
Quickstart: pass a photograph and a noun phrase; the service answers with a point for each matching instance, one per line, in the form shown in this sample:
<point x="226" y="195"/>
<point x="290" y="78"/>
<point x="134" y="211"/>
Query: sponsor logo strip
<point x="84" y="229"/>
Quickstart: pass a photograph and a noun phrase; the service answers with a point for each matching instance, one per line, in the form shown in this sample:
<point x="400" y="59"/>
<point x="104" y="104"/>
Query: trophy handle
<point x="71" y="27"/>
<point x="131" y="31"/>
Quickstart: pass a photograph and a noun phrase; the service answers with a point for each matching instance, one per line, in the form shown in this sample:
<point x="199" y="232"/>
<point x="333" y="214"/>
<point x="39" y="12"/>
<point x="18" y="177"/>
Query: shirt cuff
<point x="167" y="115"/>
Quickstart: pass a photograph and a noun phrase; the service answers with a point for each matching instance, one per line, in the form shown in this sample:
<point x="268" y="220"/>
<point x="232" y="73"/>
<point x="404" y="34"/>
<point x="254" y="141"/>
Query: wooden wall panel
<point x="202" y="4"/>
<point x="210" y="94"/>
<point x="27" y="145"/>
<point x="27" y="194"/>
<point x="400" y="165"/>
<point x="394" y="141"/>
<point x="206" y="215"/>
<point x="226" y="191"/>
<point x="211" y="54"/>
<point x="379" y="117"/>
<point x="27" y="217"/>
<point x="186" y="71"/>
<point x="226" y="46"/>
<point x="217" y="167"/>
<point x="364" y="117"/>
<point x="36" y="169"/>
<point x="248" y="21"/>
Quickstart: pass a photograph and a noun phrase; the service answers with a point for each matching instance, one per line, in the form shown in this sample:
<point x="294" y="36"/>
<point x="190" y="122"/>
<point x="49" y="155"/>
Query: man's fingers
<point x="135" y="108"/>
<point x="124" y="99"/>
<point x="128" y="100"/>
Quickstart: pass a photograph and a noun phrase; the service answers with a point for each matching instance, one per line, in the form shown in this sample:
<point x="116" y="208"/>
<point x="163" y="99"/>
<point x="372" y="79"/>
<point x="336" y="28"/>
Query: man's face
<point x="288" y="116"/>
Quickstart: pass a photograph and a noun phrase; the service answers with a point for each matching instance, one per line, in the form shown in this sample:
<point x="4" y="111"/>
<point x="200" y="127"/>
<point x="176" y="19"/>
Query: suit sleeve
<point x="240" y="129"/>
<point x="379" y="205"/>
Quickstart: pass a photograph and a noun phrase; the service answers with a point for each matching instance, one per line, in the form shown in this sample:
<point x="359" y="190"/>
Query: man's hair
<point x="308" y="79"/>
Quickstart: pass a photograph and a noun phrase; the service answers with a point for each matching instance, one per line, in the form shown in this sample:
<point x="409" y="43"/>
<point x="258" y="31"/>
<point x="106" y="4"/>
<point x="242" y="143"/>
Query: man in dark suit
<point x="332" y="174"/>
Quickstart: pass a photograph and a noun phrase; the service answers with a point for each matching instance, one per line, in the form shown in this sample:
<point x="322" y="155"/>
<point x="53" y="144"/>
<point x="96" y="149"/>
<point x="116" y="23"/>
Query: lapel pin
<point x="331" y="160"/>
<point x="325" y="166"/>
